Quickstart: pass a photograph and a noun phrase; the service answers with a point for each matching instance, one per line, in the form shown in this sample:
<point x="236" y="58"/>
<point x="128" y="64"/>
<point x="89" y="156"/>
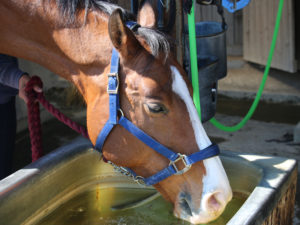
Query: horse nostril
<point x="214" y="202"/>
<point x="185" y="206"/>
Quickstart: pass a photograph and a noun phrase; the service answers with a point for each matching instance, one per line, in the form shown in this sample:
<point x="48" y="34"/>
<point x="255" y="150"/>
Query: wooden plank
<point x="258" y="23"/>
<point x="178" y="29"/>
<point x="297" y="26"/>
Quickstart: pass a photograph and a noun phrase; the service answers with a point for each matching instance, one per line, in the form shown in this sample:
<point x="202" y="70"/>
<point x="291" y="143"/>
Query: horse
<point x="75" y="39"/>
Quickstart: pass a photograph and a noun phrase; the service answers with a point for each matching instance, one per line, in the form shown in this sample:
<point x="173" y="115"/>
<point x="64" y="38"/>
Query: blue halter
<point x="174" y="157"/>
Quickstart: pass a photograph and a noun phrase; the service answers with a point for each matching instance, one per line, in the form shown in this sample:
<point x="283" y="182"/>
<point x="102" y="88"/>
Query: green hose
<point x="193" y="57"/>
<point x="262" y="85"/>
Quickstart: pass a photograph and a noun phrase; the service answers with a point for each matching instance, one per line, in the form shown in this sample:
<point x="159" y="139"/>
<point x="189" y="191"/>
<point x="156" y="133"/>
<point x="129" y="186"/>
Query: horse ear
<point x="121" y="36"/>
<point x="146" y="15"/>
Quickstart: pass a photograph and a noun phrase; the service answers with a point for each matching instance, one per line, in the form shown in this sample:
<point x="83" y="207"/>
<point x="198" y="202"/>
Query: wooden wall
<point x="297" y="26"/>
<point x="258" y="24"/>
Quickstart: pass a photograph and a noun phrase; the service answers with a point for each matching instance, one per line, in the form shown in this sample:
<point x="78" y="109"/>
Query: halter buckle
<point x="183" y="158"/>
<point x="116" y="90"/>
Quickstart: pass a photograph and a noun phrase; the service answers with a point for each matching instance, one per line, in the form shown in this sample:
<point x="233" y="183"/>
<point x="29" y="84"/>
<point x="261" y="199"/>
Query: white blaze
<point x="215" y="180"/>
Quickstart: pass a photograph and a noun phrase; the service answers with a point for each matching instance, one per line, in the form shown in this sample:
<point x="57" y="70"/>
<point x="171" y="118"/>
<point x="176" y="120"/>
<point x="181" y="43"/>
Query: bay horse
<point x="75" y="39"/>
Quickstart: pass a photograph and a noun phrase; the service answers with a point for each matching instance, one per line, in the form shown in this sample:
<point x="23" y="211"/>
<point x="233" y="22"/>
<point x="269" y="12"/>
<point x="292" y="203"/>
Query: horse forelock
<point x="157" y="41"/>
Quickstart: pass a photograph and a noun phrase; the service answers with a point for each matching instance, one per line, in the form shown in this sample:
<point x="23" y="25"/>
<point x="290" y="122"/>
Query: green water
<point x="94" y="207"/>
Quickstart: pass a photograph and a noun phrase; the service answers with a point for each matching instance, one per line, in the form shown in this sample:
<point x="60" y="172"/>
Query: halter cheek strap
<point x="174" y="157"/>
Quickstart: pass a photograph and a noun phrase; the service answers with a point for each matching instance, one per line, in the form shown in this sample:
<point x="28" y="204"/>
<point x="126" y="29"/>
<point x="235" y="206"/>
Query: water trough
<point x="73" y="186"/>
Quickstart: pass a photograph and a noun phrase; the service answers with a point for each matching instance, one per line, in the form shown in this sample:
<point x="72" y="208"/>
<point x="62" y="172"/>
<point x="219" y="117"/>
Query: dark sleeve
<point x="9" y="71"/>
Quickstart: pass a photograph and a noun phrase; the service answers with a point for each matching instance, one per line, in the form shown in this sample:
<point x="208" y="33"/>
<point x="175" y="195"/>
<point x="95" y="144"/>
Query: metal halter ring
<point x="140" y="180"/>
<point x="121" y="112"/>
<point x="184" y="161"/>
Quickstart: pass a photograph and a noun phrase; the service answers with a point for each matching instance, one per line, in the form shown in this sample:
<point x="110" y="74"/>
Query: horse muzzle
<point x="210" y="208"/>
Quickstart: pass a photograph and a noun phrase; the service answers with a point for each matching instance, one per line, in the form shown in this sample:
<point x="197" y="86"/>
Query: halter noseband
<point x="114" y="108"/>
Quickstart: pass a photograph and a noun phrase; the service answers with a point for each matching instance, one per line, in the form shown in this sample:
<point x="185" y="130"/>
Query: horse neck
<point x="33" y="30"/>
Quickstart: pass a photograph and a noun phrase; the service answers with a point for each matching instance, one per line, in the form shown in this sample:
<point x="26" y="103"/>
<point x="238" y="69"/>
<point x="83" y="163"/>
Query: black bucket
<point x="212" y="63"/>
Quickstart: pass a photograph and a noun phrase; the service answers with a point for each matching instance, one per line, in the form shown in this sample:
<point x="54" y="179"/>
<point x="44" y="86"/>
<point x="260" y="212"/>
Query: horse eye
<point x="156" y="108"/>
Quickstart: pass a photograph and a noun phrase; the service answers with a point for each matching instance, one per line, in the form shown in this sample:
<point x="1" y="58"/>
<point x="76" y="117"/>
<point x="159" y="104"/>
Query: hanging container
<point x="212" y="63"/>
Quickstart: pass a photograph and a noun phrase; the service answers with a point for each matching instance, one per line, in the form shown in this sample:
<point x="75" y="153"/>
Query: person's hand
<point x="22" y="84"/>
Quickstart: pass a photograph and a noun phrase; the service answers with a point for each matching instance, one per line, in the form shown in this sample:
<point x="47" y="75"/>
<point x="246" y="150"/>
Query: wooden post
<point x="178" y="29"/>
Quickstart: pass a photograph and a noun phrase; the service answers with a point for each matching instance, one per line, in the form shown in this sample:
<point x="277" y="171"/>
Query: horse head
<point x="75" y="39"/>
<point x="155" y="95"/>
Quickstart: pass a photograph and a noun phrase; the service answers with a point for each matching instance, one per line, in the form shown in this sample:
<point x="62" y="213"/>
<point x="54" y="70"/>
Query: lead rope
<point x="34" y="121"/>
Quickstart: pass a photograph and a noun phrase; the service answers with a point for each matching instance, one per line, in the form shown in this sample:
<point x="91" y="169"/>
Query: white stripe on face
<point x="215" y="179"/>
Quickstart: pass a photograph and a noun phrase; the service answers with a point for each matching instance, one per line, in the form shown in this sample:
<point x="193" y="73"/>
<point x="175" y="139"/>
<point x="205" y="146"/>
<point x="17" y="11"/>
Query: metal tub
<point x="33" y="193"/>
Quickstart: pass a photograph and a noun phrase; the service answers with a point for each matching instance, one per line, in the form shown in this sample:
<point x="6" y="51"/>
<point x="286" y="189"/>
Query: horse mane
<point x="156" y="40"/>
<point x="69" y="8"/>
